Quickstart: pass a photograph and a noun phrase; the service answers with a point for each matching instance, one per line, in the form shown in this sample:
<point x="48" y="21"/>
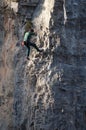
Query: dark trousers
<point x="28" y="44"/>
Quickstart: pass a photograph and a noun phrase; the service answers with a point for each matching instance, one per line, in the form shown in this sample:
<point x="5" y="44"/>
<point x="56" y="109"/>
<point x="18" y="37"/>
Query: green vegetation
<point x="28" y="25"/>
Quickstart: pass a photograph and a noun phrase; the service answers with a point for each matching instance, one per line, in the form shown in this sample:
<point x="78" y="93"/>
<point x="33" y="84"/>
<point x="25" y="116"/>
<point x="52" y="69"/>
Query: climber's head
<point x="32" y="30"/>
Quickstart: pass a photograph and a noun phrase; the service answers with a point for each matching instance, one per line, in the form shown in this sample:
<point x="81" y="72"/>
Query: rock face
<point x="7" y="45"/>
<point x="50" y="89"/>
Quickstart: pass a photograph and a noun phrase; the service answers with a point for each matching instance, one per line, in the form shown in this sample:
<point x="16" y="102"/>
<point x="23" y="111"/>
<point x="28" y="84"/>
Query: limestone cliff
<point x="48" y="92"/>
<point x="7" y="45"/>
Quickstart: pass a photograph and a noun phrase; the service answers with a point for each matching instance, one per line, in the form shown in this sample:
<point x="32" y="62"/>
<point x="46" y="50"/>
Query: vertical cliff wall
<point x="7" y="45"/>
<point x="48" y="91"/>
<point x="50" y="88"/>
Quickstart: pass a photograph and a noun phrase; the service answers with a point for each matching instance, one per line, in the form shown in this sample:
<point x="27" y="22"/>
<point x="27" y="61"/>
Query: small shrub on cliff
<point x="28" y="26"/>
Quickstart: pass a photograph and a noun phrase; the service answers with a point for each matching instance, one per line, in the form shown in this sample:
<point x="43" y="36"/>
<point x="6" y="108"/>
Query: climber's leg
<point x="28" y="47"/>
<point x="34" y="45"/>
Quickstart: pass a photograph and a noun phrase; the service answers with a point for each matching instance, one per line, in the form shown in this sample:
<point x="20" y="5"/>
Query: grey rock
<point x="48" y="92"/>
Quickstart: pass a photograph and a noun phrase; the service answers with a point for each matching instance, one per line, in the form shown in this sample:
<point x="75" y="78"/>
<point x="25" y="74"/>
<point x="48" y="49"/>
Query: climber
<point x="27" y="37"/>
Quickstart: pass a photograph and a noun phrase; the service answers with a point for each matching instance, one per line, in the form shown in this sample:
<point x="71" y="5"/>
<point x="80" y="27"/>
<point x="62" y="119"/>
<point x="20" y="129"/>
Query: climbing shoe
<point x="28" y="58"/>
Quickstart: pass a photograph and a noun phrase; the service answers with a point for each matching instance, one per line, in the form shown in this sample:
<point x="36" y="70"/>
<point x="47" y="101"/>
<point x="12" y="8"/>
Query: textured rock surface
<point x="50" y="89"/>
<point x="7" y="45"/>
